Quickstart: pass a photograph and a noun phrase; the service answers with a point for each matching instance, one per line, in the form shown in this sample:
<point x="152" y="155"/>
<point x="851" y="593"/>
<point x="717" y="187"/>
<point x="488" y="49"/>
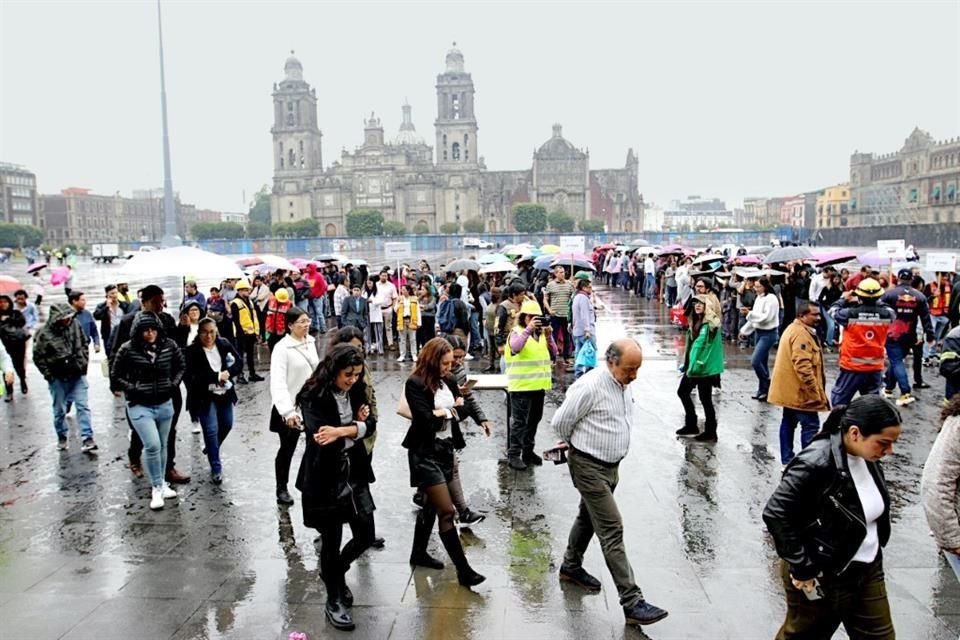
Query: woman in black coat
<point x="212" y="363"/>
<point x="335" y="473"/>
<point x="434" y="399"/>
<point x="830" y="519"/>
<point x="14" y="336"/>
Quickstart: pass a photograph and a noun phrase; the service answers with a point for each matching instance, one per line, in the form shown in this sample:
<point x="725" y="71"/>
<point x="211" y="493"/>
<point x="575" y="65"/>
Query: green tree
<point x="530" y="218"/>
<point x="561" y="221"/>
<point x="217" y="231"/>
<point x="421" y="228"/>
<point x="306" y="228"/>
<point x="260" y="207"/>
<point x="364" y="222"/>
<point x="258" y="230"/>
<point x="473" y="225"/>
<point x="394" y="228"/>
<point x="20" y="235"/>
<point x="450" y="227"/>
<point x="591" y="226"/>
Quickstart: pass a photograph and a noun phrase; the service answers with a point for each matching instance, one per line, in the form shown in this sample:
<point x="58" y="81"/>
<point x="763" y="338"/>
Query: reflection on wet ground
<point x="81" y="555"/>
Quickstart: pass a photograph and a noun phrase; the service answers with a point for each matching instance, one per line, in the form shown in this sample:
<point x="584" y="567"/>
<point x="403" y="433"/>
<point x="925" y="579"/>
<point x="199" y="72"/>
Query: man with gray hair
<point x="594" y="424"/>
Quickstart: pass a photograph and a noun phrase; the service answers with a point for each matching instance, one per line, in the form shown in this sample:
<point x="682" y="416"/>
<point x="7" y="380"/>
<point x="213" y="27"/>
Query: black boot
<point x="283" y="496"/>
<point x="421" y="536"/>
<point x="465" y="573"/>
<point x="338" y="615"/>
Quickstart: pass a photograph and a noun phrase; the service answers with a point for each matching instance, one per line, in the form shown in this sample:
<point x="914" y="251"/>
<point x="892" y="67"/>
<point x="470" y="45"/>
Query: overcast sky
<point x="718" y="99"/>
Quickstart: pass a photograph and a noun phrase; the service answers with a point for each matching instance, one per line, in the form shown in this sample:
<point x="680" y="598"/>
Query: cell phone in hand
<point x="469" y="384"/>
<point x="556" y="455"/>
<point x="816" y="593"/>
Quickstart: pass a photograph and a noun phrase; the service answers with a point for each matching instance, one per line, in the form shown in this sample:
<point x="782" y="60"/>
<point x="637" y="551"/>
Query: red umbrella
<point x="9" y="284"/>
<point x="36" y="266"/>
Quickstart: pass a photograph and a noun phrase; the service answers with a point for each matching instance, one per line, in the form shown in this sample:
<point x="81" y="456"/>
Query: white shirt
<point x="387" y="294"/>
<point x="596" y="416"/>
<point x="765" y="313"/>
<point x="292" y="362"/>
<point x="649" y="267"/>
<point x="443" y="399"/>
<point x="817" y="284"/>
<point x="872" y="503"/>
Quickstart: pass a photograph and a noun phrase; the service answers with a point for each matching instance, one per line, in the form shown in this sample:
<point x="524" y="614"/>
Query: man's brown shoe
<point x="176" y="477"/>
<point x="137" y="469"/>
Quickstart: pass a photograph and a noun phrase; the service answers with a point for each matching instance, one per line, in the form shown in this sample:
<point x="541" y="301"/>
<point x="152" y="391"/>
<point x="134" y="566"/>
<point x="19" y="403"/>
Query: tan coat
<point x="798" y="380"/>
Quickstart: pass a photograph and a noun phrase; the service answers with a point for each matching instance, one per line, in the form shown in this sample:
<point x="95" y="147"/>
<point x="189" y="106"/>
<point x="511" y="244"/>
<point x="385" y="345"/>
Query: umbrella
<point x="753" y="272"/>
<point x="276" y="261"/>
<point x="59" y="275"/>
<point x="543" y="262"/>
<point x="490" y="258"/>
<point x="180" y="261"/>
<point x="36" y="266"/>
<point x="788" y="254"/>
<point x="604" y="247"/>
<point x="550" y="248"/>
<point x="9" y="284"/>
<point x="760" y="250"/>
<point x="672" y="249"/>
<point x="326" y="257"/>
<point x="827" y="258"/>
<point x="249" y="261"/>
<point x="747" y="260"/>
<point x="572" y="256"/>
<point x="639" y="242"/>
<point x="503" y="266"/>
<point x="577" y="264"/>
<point x="357" y="262"/>
<point x="519" y="249"/>
<point x="624" y="248"/>
<point x="873" y="258"/>
<point x="463" y="264"/>
<point x="708" y="257"/>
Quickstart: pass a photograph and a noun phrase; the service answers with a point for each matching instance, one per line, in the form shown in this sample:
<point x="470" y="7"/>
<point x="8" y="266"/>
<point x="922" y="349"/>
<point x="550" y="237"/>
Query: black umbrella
<point x="463" y="264"/>
<point x="788" y="254"/>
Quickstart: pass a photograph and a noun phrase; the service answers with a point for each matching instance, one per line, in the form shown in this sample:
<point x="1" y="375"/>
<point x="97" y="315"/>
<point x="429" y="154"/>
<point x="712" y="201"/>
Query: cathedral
<point x="415" y="184"/>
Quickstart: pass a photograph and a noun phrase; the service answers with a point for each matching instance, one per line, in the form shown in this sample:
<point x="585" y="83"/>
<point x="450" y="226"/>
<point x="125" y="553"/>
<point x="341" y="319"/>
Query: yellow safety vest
<point x="530" y="369"/>
<point x="248" y="319"/>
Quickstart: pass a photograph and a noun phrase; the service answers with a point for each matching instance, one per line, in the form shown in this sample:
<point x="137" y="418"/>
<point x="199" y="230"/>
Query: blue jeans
<point x="476" y="339"/>
<point x="651" y="290"/>
<point x="315" y="309"/>
<point x="152" y="424"/>
<point x="579" y="341"/>
<point x="761" y="355"/>
<point x="897" y="371"/>
<point x="64" y="393"/>
<point x="809" y="423"/>
<point x="850" y="382"/>
<point x="954" y="561"/>
<point x="939" y="324"/>
<point x="216" y="420"/>
<point x="831" y="325"/>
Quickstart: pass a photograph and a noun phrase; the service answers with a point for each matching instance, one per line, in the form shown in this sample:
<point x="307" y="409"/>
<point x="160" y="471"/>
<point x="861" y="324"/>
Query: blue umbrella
<point x="543" y="262"/>
<point x="490" y="258"/>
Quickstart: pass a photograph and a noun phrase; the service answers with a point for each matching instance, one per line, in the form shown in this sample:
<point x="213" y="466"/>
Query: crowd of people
<point x="323" y="327"/>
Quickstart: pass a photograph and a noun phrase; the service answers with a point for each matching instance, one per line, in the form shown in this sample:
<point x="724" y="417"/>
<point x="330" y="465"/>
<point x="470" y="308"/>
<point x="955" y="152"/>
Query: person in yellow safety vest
<point x="246" y="328"/>
<point x="529" y="353"/>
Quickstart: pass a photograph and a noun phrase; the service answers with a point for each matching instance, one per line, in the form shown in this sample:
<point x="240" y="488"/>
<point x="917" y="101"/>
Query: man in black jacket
<point x="109" y="313"/>
<point x="911" y="307"/>
<point x="151" y="301"/>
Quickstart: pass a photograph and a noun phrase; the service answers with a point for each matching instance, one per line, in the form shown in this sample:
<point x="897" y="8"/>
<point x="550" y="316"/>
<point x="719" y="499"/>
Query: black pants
<point x="136" y="445"/>
<point x="332" y="560"/>
<point x="288" y="445"/>
<point x="427" y="331"/>
<point x="18" y="353"/>
<point x="247" y="345"/>
<point x="526" y="409"/>
<point x="917" y="349"/>
<point x="704" y="387"/>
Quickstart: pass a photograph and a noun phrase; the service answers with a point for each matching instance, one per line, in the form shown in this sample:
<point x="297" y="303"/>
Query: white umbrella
<point x="180" y="262"/>
<point x="498" y="267"/>
<point x="276" y="261"/>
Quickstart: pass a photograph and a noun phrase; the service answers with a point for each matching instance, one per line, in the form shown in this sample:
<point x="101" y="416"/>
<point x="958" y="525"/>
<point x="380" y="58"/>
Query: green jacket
<point x="705" y="354"/>
<point x="60" y="350"/>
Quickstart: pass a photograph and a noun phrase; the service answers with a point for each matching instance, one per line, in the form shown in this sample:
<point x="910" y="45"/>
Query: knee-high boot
<point x="465" y="573"/>
<point x="421" y="536"/>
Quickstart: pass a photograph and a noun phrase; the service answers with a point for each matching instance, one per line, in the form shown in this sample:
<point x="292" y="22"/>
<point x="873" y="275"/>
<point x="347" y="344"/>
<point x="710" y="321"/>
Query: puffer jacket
<point x="145" y="380"/>
<point x="60" y="350"/>
<point x="938" y="487"/>
<point x="815" y="515"/>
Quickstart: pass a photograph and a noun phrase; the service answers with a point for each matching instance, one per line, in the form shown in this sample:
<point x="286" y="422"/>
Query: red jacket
<point x="277" y="316"/>
<point x="318" y="284"/>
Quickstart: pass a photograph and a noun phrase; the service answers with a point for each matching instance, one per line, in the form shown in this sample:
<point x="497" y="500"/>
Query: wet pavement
<point x="82" y="556"/>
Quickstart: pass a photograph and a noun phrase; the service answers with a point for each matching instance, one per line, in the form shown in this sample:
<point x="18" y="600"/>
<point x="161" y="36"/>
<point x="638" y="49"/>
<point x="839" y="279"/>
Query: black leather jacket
<point x="815" y="515"/>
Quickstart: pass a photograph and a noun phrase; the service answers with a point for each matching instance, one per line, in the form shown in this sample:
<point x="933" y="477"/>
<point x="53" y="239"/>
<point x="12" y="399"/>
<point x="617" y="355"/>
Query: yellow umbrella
<point x="549" y="248"/>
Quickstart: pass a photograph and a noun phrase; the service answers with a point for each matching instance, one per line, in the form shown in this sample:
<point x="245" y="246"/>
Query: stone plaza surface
<point x="82" y="556"/>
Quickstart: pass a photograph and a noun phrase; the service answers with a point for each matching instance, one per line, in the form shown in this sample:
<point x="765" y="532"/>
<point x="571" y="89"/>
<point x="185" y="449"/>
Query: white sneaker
<point x="167" y="491"/>
<point x="886" y="394"/>
<point x="401" y="358"/>
<point x="197" y="428"/>
<point x="468" y="357"/>
<point x="905" y="399"/>
<point x="156" y="499"/>
<point x="414" y="357"/>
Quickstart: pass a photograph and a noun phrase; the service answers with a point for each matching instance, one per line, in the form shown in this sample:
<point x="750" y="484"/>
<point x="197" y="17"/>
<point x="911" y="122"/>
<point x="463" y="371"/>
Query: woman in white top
<point x="293" y="360"/>
<point x="830" y="518"/>
<point x="763" y="319"/>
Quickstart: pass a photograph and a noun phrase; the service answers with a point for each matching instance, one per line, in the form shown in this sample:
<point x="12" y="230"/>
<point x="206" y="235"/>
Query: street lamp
<point x="170" y="237"/>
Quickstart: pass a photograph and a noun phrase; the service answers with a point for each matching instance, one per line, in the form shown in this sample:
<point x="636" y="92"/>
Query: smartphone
<point x="816" y="593"/>
<point x="556" y="455"/>
<point x="470" y="384"/>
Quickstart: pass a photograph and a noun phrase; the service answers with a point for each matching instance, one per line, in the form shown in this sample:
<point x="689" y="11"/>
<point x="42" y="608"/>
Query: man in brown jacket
<point x="798" y="383"/>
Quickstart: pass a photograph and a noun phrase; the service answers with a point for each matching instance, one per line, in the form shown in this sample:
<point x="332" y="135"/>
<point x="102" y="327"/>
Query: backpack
<point x="446" y="318"/>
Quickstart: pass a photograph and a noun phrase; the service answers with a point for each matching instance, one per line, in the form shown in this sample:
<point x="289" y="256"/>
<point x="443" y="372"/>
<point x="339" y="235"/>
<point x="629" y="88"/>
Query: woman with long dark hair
<point x="763" y="319"/>
<point x="702" y="366"/>
<point x="335" y="472"/>
<point x="434" y="433"/>
<point x="293" y="360"/>
<point x="830" y="518"/>
<point x="14" y="335"/>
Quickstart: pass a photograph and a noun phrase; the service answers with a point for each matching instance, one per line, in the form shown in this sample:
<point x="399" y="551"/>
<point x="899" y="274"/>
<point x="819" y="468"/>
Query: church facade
<point x="415" y="184"/>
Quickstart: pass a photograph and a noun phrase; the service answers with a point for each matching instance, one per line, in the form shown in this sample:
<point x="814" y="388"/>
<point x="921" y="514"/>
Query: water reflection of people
<point x="696" y="496"/>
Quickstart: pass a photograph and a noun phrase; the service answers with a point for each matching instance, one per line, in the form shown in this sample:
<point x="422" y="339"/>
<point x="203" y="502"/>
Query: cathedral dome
<point x="292" y="68"/>
<point x="558" y="145"/>
<point x="408" y="132"/>
<point x="454" y="60"/>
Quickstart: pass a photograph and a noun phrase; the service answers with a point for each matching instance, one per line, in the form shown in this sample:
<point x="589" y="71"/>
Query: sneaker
<point x="468" y="357"/>
<point x="402" y="358"/>
<point x="196" y="427"/>
<point x="217" y="478"/>
<point x="89" y="446"/>
<point x="517" y="463"/>
<point x="687" y="432"/>
<point x="579" y="576"/>
<point x="62" y="443"/>
<point x="706" y="436"/>
<point x="167" y="492"/>
<point x="156" y="498"/>
<point x="905" y="399"/>
<point x="643" y="613"/>
<point x="468" y="516"/>
<point x="921" y="385"/>
<point x="886" y="393"/>
<point x="256" y="378"/>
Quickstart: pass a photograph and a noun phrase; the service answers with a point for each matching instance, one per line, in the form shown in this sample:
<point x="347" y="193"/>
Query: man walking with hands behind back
<point x="594" y="422"/>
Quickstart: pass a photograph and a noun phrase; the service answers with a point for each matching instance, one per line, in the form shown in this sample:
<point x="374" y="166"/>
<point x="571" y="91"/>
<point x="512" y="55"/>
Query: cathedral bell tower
<point x="456" y="123"/>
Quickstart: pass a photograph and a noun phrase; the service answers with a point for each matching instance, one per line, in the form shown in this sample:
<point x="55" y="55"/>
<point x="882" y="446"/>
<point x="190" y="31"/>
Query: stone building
<point x="916" y="185"/>
<point x="698" y="213"/>
<point x="415" y="184"/>
<point x="19" y="203"/>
